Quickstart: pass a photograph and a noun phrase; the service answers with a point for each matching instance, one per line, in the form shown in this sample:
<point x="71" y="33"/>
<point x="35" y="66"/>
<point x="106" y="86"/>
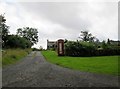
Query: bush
<point x="15" y="41"/>
<point x="79" y="49"/>
<point x="73" y="48"/>
<point x="107" y="52"/>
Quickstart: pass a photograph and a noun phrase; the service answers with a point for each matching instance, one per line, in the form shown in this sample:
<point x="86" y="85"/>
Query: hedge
<point x="73" y="48"/>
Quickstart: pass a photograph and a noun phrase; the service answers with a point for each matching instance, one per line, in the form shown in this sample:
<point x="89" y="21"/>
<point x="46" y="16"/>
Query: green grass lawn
<point x="101" y="64"/>
<point x="10" y="56"/>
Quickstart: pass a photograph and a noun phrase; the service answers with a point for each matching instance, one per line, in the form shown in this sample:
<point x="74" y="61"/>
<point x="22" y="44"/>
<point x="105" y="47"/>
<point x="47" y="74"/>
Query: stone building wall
<point x="51" y="44"/>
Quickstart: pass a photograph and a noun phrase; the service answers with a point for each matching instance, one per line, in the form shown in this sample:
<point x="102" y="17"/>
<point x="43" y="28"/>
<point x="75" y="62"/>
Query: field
<point x="10" y="56"/>
<point x="101" y="65"/>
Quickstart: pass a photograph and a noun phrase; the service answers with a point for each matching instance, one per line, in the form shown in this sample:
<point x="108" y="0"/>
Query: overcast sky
<point x="55" y="20"/>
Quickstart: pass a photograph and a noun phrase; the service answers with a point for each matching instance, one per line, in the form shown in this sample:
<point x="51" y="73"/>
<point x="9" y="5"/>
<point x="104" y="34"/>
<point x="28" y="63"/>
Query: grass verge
<point x="10" y="56"/>
<point x="101" y="64"/>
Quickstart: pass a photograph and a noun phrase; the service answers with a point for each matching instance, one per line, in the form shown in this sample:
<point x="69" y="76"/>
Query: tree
<point x="65" y="41"/>
<point x="30" y="34"/>
<point x="86" y="36"/>
<point x="3" y="30"/>
<point x="108" y="41"/>
<point x="97" y="40"/>
<point x="15" y="41"/>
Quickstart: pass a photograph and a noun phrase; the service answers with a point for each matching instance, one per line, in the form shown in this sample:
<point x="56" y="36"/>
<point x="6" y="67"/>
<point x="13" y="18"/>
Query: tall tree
<point x="3" y="30"/>
<point x="108" y="41"/>
<point x="30" y="34"/>
<point x="86" y="36"/>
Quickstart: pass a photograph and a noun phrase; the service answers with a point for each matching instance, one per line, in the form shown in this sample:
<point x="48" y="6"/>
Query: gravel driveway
<point x="35" y="71"/>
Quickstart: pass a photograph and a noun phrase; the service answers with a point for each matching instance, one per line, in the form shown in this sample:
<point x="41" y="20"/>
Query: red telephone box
<point x="60" y="47"/>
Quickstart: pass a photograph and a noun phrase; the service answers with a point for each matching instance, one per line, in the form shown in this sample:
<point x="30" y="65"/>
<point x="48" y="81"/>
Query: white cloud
<point x="56" y="20"/>
<point x="104" y="19"/>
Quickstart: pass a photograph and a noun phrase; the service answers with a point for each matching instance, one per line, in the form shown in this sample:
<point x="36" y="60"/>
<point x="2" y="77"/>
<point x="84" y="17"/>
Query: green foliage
<point x="107" y="52"/>
<point x="108" y="41"/>
<point x="25" y="37"/>
<point x="104" y="45"/>
<point x="15" y="41"/>
<point x="86" y="36"/>
<point x="73" y="48"/>
<point x="65" y="41"/>
<point x="101" y="65"/>
<point x="52" y="49"/>
<point x="3" y="30"/>
<point x="30" y="34"/>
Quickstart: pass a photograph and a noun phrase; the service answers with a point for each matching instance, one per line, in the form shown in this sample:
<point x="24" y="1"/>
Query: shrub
<point x="15" y="41"/>
<point x="73" y="48"/>
<point x="107" y="52"/>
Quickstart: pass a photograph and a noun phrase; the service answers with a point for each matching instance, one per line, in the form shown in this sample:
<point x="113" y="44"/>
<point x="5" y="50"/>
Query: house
<point x="51" y="45"/>
<point x="115" y="42"/>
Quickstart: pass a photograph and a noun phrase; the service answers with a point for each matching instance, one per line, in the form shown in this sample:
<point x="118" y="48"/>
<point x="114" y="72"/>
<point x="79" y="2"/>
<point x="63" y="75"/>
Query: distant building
<point x="51" y="45"/>
<point x="115" y="42"/>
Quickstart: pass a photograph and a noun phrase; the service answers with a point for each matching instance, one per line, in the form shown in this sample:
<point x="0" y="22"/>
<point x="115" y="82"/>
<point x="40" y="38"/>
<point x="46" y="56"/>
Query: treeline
<point x="25" y="37"/>
<point x="88" y="46"/>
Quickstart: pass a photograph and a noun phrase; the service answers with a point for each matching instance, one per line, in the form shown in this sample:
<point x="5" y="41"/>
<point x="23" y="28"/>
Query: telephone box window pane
<point x="60" y="48"/>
